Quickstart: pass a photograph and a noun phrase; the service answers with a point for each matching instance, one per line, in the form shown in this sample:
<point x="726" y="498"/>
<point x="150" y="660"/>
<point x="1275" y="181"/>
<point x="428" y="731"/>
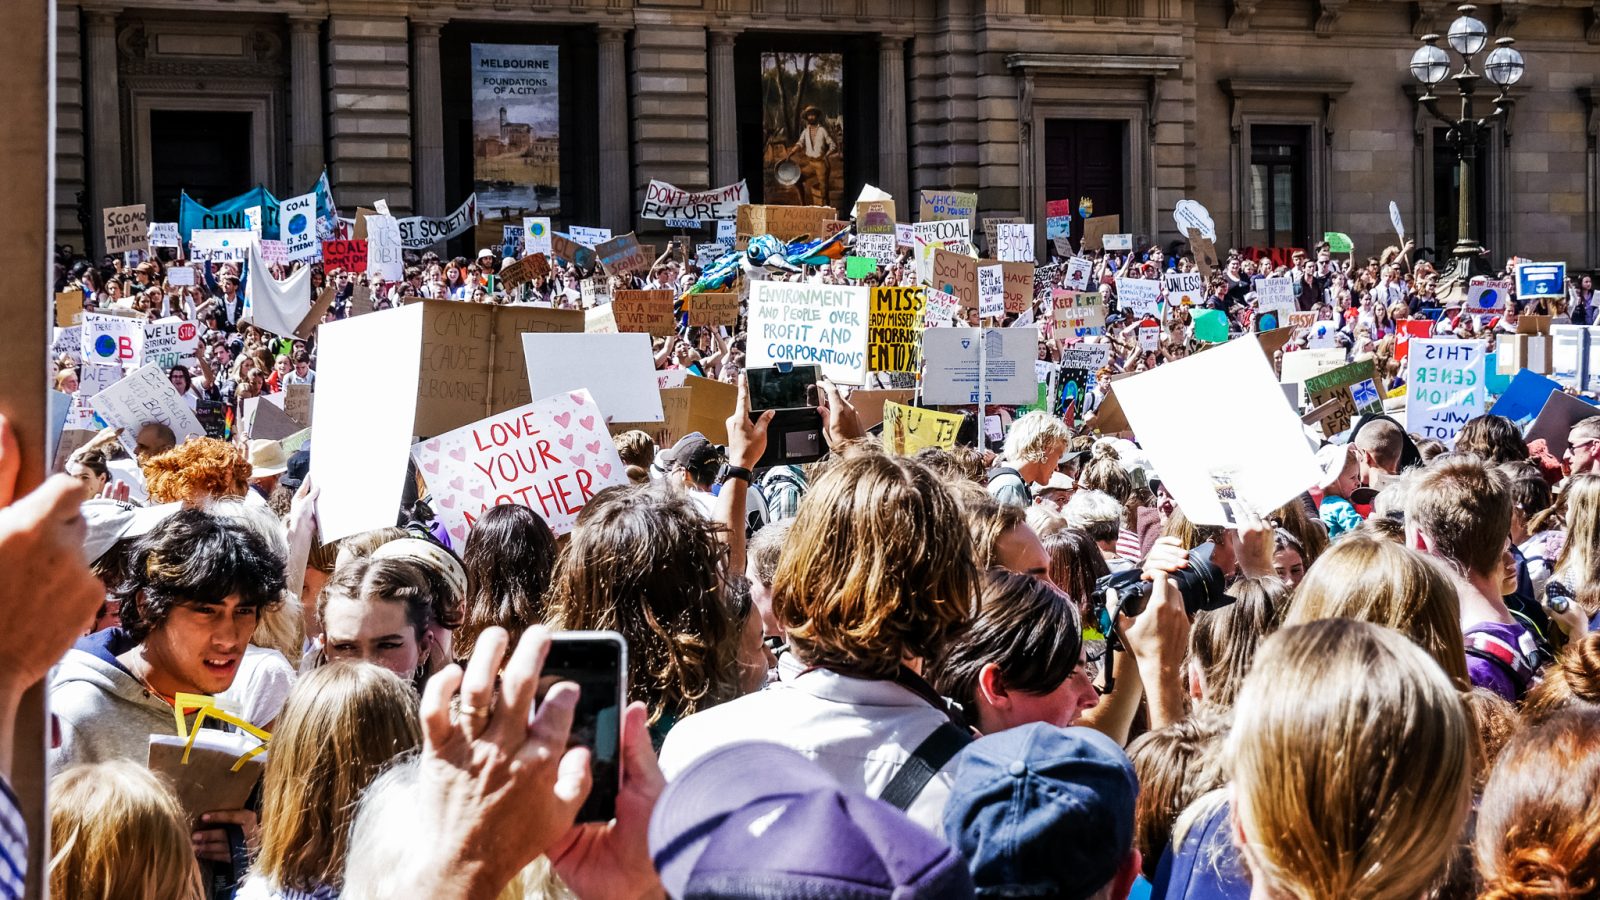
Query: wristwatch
<point x="728" y="471"/>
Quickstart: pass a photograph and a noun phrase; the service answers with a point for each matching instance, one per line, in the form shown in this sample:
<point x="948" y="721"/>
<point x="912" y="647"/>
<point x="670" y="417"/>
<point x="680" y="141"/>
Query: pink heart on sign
<point x="592" y="446"/>
<point x="457" y="484"/>
<point x="566" y="441"/>
<point x="447" y="502"/>
<point x="458" y="454"/>
<point x="604" y="469"/>
<point x="563" y="419"/>
<point x="587" y="422"/>
<point x="459" y="532"/>
<point x="477" y="492"/>
<point x="577" y="459"/>
<point x="579" y="399"/>
<point x="431" y="467"/>
<point x="431" y="446"/>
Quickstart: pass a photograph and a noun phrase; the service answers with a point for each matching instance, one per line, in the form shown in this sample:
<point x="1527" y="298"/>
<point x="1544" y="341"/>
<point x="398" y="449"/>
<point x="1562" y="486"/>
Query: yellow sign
<point x="907" y="429"/>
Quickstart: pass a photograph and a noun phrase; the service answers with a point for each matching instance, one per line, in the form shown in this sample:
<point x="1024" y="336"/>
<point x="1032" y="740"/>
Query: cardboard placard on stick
<point x="648" y="312"/>
<point x="786" y="223"/>
<point x="530" y="268"/>
<point x="1097" y="227"/>
<point x="713" y="309"/>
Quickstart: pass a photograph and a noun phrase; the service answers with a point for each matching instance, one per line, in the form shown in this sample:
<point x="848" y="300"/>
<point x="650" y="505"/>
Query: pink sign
<point x="551" y="456"/>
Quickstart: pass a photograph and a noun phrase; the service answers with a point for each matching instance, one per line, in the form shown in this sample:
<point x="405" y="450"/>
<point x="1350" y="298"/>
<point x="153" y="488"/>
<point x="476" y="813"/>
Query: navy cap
<point x="758" y="820"/>
<point x="1040" y="811"/>
<point x="295" y="472"/>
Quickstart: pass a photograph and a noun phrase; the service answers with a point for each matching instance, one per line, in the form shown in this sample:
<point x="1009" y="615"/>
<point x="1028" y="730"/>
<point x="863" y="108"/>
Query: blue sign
<point x="1524" y="397"/>
<point x="686" y="224"/>
<point x="1541" y="280"/>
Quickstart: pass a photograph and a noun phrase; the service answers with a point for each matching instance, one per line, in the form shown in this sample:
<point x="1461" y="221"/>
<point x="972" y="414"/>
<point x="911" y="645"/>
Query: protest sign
<point x="127" y="228"/>
<point x="1445" y="387"/>
<point x="1078" y="313"/>
<point x="955" y="274"/>
<point x="877" y="247"/>
<point x="1149" y="334"/>
<point x="706" y="254"/>
<point x="1191" y="216"/>
<point x="252" y="219"/>
<point x="894" y="329"/>
<point x="1275" y="297"/>
<point x="146" y="396"/>
<point x="875" y="217"/>
<point x="551" y="456"/>
<point x="1575" y="356"/>
<point x="385" y="252"/>
<point x="1535" y="280"/>
<point x="167" y="342"/>
<point x="264" y="419"/>
<point x="786" y="223"/>
<point x="1554" y="422"/>
<point x="69" y="308"/>
<point x="1322" y="335"/>
<point x="1184" y="289"/>
<point x="1487" y="298"/>
<point x="273" y="252"/>
<point x="951" y="369"/>
<point x="991" y="240"/>
<point x="351" y="256"/>
<point x="307" y="328"/>
<point x="952" y="235"/>
<point x="664" y="201"/>
<point x="991" y="291"/>
<point x="909" y="429"/>
<point x="859" y="267"/>
<point x="1058" y="219"/>
<point x="221" y="246"/>
<point x="1338" y="242"/>
<point x="1095" y="230"/>
<point x="1090" y="358"/>
<point x="1045" y="278"/>
<point x="68" y="342"/>
<point x="1079" y="271"/>
<point x="617" y="369"/>
<point x="164" y="234"/>
<point x="533" y="267"/>
<point x="536" y="235"/>
<point x="1118" y="242"/>
<point x="646" y="312"/>
<point x="870" y="194"/>
<point x="589" y="237"/>
<point x="571" y="251"/>
<point x="1255" y="453"/>
<point x="1303" y="364"/>
<point x="942" y="308"/>
<point x="297" y="403"/>
<point x="1394" y="219"/>
<point x="623" y="255"/>
<point x="96" y="377"/>
<point x="1353" y="386"/>
<point x="1524" y="397"/>
<point x="713" y="308"/>
<point x="297" y="221"/>
<point x="688" y="404"/>
<point x="277" y="306"/>
<point x="938" y="205"/>
<point x="599" y="320"/>
<point x="1205" y="254"/>
<point x="1138" y="296"/>
<point x="810" y="323"/>
<point x="111" y="339"/>
<point x="1018" y="281"/>
<point x="904" y="235"/>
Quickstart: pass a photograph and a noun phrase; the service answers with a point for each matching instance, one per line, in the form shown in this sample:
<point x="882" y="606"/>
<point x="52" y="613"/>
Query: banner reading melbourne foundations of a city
<point x="516" y="134"/>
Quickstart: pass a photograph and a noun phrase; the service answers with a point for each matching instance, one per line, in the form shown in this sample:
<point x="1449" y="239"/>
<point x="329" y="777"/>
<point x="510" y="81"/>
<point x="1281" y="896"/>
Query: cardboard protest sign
<point x="1445" y="387"/>
<point x="536" y="235"/>
<point x="646" y="312"/>
<point x="127" y="228"/>
<point x="956" y="274"/>
<point x="1535" y="280"/>
<point x="1095" y="229"/>
<point x="991" y="225"/>
<point x="1560" y="412"/>
<point x="297" y="403"/>
<point x="1184" y="289"/>
<point x="875" y="217"/>
<point x="713" y="308"/>
<point x="1275" y="297"/>
<point x="145" y="396"/>
<point x="551" y="456"/>
<point x="1191" y="216"/>
<point x="1090" y="358"/>
<point x="571" y="251"/>
<point x="951" y="365"/>
<point x="385" y="251"/>
<point x="297" y="226"/>
<point x="689" y="404"/>
<point x="664" y="201"/>
<point x="894" y="329"/>
<point x="1255" y="453"/>
<point x="530" y="268"/>
<point x="111" y="339"/>
<point x="623" y="255"/>
<point x="169" y="341"/>
<point x="954" y="235"/>
<point x="69" y="308"/>
<point x="265" y="420"/>
<point x="938" y="205"/>
<point x="1079" y="271"/>
<point x="1078" y="313"/>
<point x="1354" y="387"/>
<point x="599" y="320"/>
<point x="942" y="308"/>
<point x="164" y="234"/>
<point x="810" y="323"/>
<point x="908" y="429"/>
<point x="877" y="247"/>
<point x="1303" y="364"/>
<point x="1205" y="253"/>
<point x="1058" y="219"/>
<point x="96" y="377"/>
<point x="1018" y="286"/>
<point x="277" y="306"/>
<point x="991" y="291"/>
<point x="618" y="370"/>
<point x="786" y="223"/>
<point x="351" y="256"/>
<point x="1139" y="296"/>
<point x="1487" y="298"/>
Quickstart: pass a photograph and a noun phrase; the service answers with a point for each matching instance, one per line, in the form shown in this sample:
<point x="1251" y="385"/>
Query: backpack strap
<point x="1510" y="660"/>
<point x="1003" y="471"/>
<point x="930" y="756"/>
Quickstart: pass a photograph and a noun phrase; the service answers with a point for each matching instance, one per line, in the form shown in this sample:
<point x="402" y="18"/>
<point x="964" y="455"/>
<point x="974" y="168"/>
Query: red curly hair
<point x="197" y="470"/>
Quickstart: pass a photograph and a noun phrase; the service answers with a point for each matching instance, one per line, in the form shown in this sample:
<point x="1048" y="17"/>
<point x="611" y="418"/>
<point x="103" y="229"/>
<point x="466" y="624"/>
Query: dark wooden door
<point x="205" y="153"/>
<point x="1086" y="158"/>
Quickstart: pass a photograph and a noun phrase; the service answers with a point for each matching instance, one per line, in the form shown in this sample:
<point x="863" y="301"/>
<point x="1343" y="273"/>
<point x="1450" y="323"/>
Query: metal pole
<point x="983" y="385"/>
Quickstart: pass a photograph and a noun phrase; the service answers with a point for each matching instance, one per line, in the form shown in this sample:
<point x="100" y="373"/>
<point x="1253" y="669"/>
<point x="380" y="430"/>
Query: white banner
<point x="664" y="201"/>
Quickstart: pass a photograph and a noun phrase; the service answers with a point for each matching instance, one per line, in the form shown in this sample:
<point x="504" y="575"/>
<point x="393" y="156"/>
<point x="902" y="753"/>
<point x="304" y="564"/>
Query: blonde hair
<point x="342" y="725"/>
<point x="118" y="834"/>
<point x="1580" y="558"/>
<point x="878" y="566"/>
<point x="1374" y="580"/>
<point x="1350" y="763"/>
<point x="1032" y="436"/>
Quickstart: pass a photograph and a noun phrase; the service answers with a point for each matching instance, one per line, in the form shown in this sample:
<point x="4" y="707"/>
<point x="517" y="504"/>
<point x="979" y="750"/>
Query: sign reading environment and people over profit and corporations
<point x="819" y="324"/>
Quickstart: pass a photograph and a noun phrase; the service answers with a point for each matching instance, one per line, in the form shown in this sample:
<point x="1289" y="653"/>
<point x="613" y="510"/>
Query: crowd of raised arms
<point x="1018" y="672"/>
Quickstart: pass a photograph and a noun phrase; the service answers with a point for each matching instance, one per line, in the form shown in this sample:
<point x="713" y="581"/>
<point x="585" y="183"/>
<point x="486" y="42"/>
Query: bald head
<point x="1381" y="442"/>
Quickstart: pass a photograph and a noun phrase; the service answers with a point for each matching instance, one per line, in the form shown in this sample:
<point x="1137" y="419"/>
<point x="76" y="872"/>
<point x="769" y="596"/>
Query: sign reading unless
<point x="649" y="312"/>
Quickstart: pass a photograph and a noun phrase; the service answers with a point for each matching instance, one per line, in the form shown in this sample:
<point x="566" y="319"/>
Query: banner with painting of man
<point x="516" y="135"/>
<point x="802" y="118"/>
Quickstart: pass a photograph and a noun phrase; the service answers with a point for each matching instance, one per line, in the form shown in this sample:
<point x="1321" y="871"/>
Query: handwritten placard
<point x="143" y="397"/>
<point x="1446" y="387"/>
<point x="991" y="291"/>
<point x="1079" y="313"/>
<point x="623" y="255"/>
<point x="894" y="329"/>
<point x="551" y="456"/>
<point x="947" y="205"/>
<point x="127" y="228"/>
<point x="647" y="312"/>
<point x="1139" y="296"/>
<point x="1014" y="242"/>
<point x="817" y="324"/>
<point x="534" y="267"/>
<point x="714" y="308"/>
<point x="908" y="429"/>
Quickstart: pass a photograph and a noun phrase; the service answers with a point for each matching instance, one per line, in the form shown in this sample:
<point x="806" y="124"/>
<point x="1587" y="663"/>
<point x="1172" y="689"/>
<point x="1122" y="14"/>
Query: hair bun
<point x="1582" y="665"/>
<point x="1529" y="873"/>
<point x="1104" y="450"/>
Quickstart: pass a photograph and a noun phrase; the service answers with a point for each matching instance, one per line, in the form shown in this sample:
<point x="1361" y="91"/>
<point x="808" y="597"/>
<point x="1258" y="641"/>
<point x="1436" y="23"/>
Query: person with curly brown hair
<point x="196" y="471"/>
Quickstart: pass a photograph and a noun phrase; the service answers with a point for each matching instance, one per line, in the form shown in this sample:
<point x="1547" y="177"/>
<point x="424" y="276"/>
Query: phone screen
<point x="597" y="661"/>
<point x="772" y="388"/>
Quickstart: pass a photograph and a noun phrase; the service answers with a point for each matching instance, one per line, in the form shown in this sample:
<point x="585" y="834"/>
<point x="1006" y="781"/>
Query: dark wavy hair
<point x="196" y="557"/>
<point x="509" y="558"/>
<point x="1495" y="438"/>
<point x="645" y="562"/>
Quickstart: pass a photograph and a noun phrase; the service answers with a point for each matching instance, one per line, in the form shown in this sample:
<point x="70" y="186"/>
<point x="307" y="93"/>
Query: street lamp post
<point x="1431" y="65"/>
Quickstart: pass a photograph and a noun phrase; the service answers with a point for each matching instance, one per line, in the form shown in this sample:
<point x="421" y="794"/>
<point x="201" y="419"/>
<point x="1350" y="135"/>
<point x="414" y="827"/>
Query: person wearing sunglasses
<point x="1583" y="448"/>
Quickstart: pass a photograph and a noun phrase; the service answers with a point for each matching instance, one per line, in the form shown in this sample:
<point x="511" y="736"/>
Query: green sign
<point x="859" y="266"/>
<point x="1339" y="242"/>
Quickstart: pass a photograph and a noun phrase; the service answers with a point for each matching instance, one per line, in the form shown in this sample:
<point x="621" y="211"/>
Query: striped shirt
<point x="13" y="845"/>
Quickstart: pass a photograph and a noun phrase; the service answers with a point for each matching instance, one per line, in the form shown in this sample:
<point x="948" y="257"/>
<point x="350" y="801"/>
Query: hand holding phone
<point x="597" y="662"/>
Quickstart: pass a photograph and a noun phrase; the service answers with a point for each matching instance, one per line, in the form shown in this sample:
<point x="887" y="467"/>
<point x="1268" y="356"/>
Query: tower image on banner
<point x="516" y="135"/>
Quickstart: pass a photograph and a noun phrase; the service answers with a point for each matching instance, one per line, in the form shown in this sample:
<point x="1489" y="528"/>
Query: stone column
<point x="892" y="131"/>
<point x="305" y="99"/>
<point x="105" y="120"/>
<point x="724" y="123"/>
<point x="427" y="114"/>
<point x="616" y="175"/>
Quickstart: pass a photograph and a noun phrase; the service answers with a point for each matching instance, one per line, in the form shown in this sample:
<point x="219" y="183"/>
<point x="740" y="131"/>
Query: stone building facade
<point x="1285" y="118"/>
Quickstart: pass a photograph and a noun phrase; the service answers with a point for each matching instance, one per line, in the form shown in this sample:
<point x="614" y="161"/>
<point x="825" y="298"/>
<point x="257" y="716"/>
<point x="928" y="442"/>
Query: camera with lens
<point x="1202" y="586"/>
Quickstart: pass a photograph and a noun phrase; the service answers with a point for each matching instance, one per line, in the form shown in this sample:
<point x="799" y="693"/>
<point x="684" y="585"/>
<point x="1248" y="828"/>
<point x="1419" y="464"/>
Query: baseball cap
<point x="294" y="471"/>
<point x="757" y="820"/>
<point x="110" y="521"/>
<point x="693" y="451"/>
<point x="1040" y="811"/>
